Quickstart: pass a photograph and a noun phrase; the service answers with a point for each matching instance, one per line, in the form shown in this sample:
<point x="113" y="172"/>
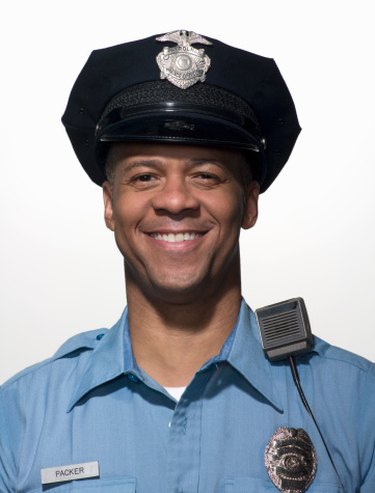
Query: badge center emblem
<point x="293" y="463"/>
<point x="183" y="62"/>
<point x="183" y="65"/>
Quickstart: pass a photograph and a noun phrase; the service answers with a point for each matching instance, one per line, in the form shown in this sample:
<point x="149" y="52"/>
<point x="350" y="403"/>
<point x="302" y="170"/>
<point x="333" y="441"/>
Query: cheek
<point x="127" y="215"/>
<point x="128" y="209"/>
<point x="228" y="211"/>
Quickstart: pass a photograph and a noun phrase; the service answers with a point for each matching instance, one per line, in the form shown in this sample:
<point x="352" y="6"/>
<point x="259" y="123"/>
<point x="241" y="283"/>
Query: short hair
<point x="110" y="163"/>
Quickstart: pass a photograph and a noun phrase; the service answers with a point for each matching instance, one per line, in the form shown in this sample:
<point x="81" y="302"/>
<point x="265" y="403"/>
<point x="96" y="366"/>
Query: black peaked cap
<point x="243" y="103"/>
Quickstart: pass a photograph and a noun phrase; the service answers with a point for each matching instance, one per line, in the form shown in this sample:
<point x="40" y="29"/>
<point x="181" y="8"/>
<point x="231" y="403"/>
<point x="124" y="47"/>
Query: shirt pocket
<point x="123" y="485"/>
<point x="249" y="485"/>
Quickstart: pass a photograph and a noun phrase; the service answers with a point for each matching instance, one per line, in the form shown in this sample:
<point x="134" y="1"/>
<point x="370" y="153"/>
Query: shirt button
<point x="133" y="378"/>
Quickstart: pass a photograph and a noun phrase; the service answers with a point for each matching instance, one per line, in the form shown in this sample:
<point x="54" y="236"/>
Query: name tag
<point x="69" y="473"/>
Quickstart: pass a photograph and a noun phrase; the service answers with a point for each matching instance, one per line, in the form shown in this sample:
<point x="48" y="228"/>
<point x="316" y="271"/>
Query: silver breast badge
<point x="183" y="65"/>
<point x="290" y="460"/>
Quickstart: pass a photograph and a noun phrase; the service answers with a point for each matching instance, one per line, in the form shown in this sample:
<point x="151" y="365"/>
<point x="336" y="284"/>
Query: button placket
<point x="185" y="438"/>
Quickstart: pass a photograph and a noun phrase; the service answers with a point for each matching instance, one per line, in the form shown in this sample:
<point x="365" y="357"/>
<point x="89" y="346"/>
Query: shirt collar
<point x="246" y="355"/>
<point x="112" y="356"/>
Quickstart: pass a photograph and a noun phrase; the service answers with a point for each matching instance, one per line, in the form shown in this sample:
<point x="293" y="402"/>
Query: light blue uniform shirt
<point x="90" y="402"/>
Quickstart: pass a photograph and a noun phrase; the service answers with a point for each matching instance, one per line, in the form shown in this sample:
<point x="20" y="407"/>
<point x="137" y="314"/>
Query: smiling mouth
<point x="176" y="237"/>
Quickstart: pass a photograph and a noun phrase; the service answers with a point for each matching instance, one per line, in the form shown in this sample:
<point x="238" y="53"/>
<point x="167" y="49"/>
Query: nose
<point x="176" y="197"/>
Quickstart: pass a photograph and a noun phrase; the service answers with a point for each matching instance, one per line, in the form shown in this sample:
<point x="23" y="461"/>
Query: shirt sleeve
<point x="9" y="437"/>
<point x="367" y="427"/>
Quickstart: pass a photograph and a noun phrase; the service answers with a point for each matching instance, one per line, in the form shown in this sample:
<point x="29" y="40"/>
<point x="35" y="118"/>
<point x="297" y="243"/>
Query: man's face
<point x="176" y="212"/>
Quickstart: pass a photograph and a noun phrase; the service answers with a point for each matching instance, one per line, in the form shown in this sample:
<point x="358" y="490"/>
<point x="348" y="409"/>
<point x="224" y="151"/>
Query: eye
<point x="143" y="180"/>
<point x="207" y="179"/>
<point x="207" y="176"/>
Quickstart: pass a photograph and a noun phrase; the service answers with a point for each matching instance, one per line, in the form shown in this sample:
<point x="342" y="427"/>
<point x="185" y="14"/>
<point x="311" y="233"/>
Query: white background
<point x="60" y="271"/>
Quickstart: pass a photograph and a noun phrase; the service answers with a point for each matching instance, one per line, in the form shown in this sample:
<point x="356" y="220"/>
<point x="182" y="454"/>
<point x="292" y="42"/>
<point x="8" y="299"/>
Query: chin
<point x="178" y="290"/>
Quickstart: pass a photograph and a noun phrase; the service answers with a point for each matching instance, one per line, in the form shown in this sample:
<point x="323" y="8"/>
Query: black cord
<point x="296" y="379"/>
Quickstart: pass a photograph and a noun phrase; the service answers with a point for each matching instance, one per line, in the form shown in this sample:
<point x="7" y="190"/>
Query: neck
<point x="171" y="341"/>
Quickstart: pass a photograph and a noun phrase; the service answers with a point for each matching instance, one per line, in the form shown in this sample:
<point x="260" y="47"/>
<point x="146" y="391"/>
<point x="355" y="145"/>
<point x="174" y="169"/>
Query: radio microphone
<point x="284" y="329"/>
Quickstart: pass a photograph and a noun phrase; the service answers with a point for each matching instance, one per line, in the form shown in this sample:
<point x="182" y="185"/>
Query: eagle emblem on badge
<point x="183" y="65"/>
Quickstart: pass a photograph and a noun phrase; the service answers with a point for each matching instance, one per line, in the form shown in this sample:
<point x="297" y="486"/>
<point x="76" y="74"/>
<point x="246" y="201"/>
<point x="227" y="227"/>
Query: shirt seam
<point x="38" y="366"/>
<point x="359" y="366"/>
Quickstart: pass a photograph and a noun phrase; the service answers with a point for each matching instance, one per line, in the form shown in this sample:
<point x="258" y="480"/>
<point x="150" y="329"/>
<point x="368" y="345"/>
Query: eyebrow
<point x="197" y="161"/>
<point x="150" y="163"/>
<point x="156" y="163"/>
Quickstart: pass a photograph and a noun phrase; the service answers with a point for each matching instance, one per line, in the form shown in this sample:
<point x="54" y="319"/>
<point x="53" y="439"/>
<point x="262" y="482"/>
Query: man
<point x="183" y="133"/>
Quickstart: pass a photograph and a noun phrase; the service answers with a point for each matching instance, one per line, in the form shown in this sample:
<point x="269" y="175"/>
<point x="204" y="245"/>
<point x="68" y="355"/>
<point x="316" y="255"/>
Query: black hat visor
<point x="176" y="122"/>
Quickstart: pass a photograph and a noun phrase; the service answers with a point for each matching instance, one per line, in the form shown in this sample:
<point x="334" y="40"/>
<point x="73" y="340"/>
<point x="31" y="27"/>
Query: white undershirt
<point x="175" y="392"/>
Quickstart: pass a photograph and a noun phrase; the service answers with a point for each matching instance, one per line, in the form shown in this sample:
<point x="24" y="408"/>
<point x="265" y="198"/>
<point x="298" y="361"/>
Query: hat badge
<point x="183" y="65"/>
<point x="290" y="460"/>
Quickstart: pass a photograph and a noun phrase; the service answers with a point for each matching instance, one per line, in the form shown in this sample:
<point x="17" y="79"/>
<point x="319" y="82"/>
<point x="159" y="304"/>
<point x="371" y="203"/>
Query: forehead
<point x="125" y="152"/>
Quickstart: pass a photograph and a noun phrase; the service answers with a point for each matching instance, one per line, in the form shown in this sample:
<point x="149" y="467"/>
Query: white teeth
<point x="173" y="238"/>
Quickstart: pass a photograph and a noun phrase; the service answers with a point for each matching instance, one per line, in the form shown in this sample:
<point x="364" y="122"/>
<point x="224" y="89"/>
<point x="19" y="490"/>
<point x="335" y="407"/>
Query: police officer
<point x="183" y="132"/>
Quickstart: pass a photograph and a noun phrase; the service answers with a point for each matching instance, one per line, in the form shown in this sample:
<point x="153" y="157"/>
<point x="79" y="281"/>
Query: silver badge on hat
<point x="290" y="460"/>
<point x="183" y="65"/>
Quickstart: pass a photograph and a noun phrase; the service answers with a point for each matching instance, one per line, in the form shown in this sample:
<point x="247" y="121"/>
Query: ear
<point x="251" y="205"/>
<point x="108" y="206"/>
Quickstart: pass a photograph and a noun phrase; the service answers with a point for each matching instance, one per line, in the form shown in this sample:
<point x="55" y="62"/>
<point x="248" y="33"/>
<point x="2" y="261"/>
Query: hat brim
<point x="180" y="127"/>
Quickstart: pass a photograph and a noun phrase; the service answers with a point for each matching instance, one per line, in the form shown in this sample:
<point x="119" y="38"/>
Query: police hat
<point x="184" y="88"/>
